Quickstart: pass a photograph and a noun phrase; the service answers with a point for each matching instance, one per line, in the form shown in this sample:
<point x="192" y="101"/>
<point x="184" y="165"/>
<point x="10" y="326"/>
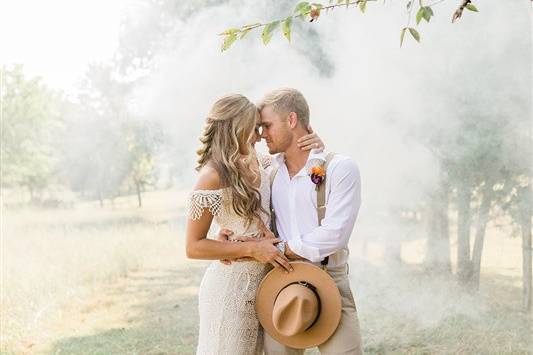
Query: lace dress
<point x="228" y="322"/>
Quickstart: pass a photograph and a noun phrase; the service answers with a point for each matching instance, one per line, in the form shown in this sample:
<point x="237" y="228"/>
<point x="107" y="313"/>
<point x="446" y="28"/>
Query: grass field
<point x="114" y="280"/>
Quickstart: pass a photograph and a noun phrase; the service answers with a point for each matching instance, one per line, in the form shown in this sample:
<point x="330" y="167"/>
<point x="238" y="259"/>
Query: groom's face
<point x="277" y="131"/>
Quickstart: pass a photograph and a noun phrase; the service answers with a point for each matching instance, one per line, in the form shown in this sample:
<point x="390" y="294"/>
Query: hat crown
<point x="295" y="309"/>
<point x="318" y="285"/>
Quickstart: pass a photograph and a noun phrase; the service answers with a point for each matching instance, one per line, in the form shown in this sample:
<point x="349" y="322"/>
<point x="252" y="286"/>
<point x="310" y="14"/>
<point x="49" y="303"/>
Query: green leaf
<point x="302" y="8"/>
<point x="419" y="15"/>
<point x="402" y="34"/>
<point x="415" y="34"/>
<point x="471" y="7"/>
<point x="228" y="41"/>
<point x="230" y="31"/>
<point x="267" y="32"/>
<point x="427" y="13"/>
<point x="286" y="28"/>
<point x="362" y="6"/>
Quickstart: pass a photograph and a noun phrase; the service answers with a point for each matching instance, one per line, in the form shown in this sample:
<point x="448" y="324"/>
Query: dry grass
<point x="115" y="281"/>
<point x="51" y="258"/>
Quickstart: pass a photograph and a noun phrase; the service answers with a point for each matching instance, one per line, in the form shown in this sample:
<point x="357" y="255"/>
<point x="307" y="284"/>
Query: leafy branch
<point x="303" y="10"/>
<point x="312" y="11"/>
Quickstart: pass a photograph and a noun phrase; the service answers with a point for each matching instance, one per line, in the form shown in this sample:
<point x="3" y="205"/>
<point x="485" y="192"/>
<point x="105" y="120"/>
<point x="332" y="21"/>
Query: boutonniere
<point x="317" y="175"/>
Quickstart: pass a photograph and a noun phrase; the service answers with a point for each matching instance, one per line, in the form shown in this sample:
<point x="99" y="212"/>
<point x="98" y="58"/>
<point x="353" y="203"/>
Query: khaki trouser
<point x="347" y="337"/>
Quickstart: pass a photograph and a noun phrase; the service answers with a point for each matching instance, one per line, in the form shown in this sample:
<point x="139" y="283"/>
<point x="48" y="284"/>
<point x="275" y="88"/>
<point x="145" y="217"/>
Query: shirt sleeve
<point x="342" y="208"/>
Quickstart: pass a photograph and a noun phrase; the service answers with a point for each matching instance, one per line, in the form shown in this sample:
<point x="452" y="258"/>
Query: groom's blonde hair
<point x="285" y="101"/>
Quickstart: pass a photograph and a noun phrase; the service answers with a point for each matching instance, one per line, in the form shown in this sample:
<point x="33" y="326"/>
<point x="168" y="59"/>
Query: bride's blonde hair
<point x="226" y="145"/>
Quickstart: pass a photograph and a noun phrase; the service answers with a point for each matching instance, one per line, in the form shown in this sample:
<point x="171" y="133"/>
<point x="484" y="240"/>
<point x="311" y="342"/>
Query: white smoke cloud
<point x="367" y="108"/>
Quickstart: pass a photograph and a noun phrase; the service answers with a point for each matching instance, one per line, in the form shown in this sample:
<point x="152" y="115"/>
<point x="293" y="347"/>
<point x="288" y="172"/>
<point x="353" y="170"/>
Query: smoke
<point x="374" y="95"/>
<point x="369" y="99"/>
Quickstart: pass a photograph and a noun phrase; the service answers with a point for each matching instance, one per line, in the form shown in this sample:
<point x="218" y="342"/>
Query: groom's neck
<point x="295" y="158"/>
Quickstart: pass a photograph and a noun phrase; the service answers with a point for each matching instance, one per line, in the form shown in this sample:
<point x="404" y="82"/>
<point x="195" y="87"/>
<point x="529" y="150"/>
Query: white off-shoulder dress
<point x="228" y="322"/>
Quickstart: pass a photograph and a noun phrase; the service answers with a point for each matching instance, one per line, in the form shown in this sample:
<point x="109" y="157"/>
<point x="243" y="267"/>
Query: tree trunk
<point x="32" y="193"/>
<point x="393" y="251"/>
<point x="481" y="227"/>
<point x="138" y="188"/>
<point x="438" y="242"/>
<point x="525" y="226"/>
<point x="463" y="232"/>
<point x="100" y="198"/>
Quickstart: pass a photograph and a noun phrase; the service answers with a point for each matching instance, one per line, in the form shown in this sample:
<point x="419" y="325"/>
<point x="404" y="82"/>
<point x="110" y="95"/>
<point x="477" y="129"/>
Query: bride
<point x="233" y="189"/>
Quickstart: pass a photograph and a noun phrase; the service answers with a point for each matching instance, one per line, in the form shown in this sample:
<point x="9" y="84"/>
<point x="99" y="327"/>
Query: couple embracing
<point x="281" y="285"/>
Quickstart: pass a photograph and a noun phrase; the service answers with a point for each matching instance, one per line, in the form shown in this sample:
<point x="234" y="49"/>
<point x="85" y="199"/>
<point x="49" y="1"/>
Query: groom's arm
<point x="341" y="213"/>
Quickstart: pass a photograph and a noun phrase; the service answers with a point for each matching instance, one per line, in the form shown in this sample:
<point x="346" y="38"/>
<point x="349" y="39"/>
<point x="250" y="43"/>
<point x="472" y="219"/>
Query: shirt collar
<point x="315" y="157"/>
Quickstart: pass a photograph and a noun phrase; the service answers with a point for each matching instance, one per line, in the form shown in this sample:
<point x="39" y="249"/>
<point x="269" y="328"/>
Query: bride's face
<point x="256" y="135"/>
<point x="253" y="137"/>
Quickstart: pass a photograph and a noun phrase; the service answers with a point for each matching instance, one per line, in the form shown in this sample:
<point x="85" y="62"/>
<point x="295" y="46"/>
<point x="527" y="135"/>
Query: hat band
<point x="312" y="288"/>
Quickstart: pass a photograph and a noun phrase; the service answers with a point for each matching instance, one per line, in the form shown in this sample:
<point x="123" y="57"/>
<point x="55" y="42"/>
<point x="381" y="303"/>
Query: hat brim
<point x="330" y="303"/>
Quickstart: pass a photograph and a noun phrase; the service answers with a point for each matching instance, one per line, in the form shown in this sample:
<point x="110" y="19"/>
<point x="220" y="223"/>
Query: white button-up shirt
<point x="295" y="201"/>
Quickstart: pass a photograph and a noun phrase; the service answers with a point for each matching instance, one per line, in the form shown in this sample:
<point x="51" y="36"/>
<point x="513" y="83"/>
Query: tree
<point x="106" y="147"/>
<point x="95" y="148"/>
<point x="484" y="153"/>
<point x="144" y="141"/>
<point x="31" y="122"/>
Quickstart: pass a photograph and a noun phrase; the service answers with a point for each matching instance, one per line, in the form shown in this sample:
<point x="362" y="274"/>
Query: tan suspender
<point x="321" y="192"/>
<point x="273" y="227"/>
<point x="320" y="200"/>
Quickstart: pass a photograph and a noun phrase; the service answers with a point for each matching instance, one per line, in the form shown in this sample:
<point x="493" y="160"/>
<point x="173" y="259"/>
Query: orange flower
<point x="318" y="170"/>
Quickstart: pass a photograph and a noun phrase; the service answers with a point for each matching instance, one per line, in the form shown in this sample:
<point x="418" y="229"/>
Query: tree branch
<point x="247" y="28"/>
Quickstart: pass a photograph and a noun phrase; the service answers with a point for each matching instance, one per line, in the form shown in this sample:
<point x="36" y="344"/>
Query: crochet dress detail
<point x="226" y="299"/>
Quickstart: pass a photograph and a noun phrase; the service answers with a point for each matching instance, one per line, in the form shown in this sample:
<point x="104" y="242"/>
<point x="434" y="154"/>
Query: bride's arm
<point x="199" y="247"/>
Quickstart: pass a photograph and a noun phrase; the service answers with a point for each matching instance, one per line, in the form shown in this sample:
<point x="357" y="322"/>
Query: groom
<point x="284" y="118"/>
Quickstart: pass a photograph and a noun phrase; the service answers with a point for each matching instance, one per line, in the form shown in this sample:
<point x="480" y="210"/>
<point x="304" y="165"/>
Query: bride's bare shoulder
<point x="208" y="179"/>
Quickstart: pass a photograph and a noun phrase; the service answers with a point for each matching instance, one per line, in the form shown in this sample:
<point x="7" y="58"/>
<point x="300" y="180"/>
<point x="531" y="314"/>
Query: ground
<point x="88" y="280"/>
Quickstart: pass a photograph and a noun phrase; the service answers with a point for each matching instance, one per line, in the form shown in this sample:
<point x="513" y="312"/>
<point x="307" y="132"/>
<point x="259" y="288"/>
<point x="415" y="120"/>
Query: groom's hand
<point x="242" y="238"/>
<point x="223" y="236"/>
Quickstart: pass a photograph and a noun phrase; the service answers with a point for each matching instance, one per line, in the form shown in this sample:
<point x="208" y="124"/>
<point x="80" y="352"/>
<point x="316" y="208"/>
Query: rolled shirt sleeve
<point x="342" y="208"/>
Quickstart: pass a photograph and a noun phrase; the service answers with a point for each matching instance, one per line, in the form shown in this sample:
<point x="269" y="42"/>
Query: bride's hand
<point x="310" y="141"/>
<point x="268" y="234"/>
<point x="265" y="251"/>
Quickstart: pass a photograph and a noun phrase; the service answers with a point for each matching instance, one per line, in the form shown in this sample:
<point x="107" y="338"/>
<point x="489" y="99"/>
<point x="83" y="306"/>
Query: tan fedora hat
<point x="301" y="309"/>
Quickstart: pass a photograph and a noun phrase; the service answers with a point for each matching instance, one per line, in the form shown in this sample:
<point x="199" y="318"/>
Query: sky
<point x="56" y="39"/>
